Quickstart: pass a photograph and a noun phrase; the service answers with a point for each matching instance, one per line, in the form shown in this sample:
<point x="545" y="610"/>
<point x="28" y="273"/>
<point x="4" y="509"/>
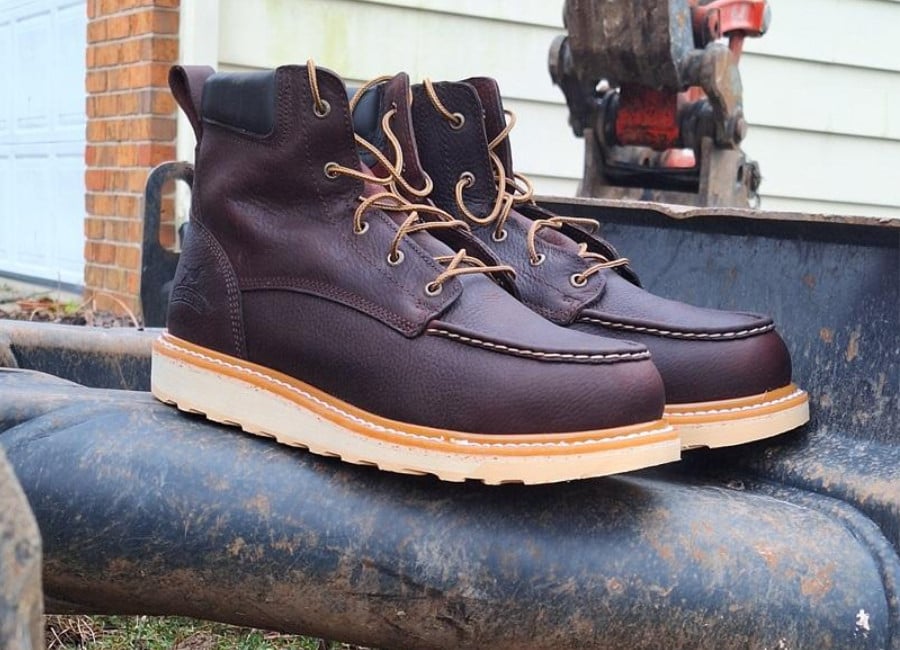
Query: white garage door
<point x="42" y="132"/>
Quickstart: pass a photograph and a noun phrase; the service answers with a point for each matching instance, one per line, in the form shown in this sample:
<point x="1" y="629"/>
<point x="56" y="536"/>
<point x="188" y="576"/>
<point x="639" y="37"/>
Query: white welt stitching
<point x="542" y="355"/>
<point x="376" y="427"/>
<point x="680" y="335"/>
<point x="735" y="409"/>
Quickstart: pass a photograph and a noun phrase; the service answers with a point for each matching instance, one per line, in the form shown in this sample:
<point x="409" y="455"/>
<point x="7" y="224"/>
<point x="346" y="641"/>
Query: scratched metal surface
<point x="96" y="357"/>
<point x="833" y="286"/>
<point x="145" y="510"/>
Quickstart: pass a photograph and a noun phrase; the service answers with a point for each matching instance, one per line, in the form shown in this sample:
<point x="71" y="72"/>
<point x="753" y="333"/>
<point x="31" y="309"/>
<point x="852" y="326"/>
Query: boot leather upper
<point x="702" y="354"/>
<point x="272" y="272"/>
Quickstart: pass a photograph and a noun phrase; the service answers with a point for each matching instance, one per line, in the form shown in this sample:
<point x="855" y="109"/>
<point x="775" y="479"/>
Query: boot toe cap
<point x="715" y="365"/>
<point x="598" y="384"/>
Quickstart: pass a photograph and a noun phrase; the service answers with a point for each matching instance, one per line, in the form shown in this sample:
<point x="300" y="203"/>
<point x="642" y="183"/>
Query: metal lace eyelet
<point x="538" y="260"/>
<point x="577" y="280"/>
<point x="459" y="120"/>
<point x="468" y="177"/>
<point x="395" y="258"/>
<point x="433" y="289"/>
<point x="331" y="170"/>
<point x="323" y="111"/>
<point x="499" y="235"/>
<point x="362" y="229"/>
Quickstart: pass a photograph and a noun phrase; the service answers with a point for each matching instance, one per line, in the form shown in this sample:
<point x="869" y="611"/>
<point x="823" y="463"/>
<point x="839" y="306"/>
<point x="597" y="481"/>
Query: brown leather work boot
<point x="727" y="375"/>
<point x="312" y="304"/>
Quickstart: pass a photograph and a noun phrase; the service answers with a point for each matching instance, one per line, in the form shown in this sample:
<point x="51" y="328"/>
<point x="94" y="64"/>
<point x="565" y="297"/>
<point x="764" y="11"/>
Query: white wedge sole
<point x="268" y="403"/>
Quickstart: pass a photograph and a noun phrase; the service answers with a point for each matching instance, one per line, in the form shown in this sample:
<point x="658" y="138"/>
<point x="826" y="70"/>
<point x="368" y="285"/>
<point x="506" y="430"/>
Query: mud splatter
<point x="852" y="346"/>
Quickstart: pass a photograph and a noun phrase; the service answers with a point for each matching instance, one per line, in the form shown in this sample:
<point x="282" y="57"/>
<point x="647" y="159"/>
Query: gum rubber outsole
<point x="265" y="402"/>
<point x="729" y="422"/>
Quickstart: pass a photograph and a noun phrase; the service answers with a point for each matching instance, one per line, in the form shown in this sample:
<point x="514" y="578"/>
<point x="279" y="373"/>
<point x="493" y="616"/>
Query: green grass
<point x="169" y="633"/>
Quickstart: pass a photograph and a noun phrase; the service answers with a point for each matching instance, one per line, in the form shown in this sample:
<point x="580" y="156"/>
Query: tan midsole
<point x="773" y="401"/>
<point x="725" y="423"/>
<point x="369" y="425"/>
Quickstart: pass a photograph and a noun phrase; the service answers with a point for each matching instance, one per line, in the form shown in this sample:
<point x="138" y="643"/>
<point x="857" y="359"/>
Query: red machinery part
<point x="647" y="117"/>
<point x="735" y="19"/>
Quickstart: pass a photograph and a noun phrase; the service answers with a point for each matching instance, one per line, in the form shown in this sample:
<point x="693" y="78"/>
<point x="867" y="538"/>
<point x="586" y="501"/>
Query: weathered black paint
<point x="96" y="357"/>
<point x="833" y="287"/>
<point x="158" y="263"/>
<point x="146" y="510"/>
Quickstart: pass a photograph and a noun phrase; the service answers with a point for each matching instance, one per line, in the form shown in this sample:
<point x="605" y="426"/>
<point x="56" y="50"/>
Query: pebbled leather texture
<point x="205" y="305"/>
<point x="276" y="214"/>
<point x="446" y="153"/>
<point x="438" y="381"/>
<point x="274" y="273"/>
<point x="702" y="354"/>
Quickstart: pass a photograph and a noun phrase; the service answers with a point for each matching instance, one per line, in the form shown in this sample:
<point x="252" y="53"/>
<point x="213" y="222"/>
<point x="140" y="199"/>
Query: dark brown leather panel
<point x="205" y="305"/>
<point x="494" y="118"/>
<point x="186" y="83"/>
<point x="625" y="303"/>
<point x="699" y="371"/>
<point x="279" y="218"/>
<point x="440" y="382"/>
<point x="484" y="311"/>
<point x="581" y="235"/>
<point x="446" y="154"/>
<point x="397" y="95"/>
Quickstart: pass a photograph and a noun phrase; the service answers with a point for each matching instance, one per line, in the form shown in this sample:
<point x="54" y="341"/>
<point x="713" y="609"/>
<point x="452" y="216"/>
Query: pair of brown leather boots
<point x="370" y="279"/>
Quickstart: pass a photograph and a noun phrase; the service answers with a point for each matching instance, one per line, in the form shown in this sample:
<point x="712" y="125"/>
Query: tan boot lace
<point x="516" y="191"/>
<point x="391" y="200"/>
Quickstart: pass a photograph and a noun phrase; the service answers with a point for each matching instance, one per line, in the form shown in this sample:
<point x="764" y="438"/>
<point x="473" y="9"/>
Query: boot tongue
<point x="367" y="115"/>
<point x="370" y="189"/>
<point x="370" y="108"/>
<point x="494" y="122"/>
<point x="449" y="150"/>
<point x="398" y="94"/>
<point x="494" y="117"/>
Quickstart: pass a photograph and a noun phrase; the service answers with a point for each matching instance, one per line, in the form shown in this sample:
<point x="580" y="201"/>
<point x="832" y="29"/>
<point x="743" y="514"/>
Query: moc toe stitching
<point x="539" y="354"/>
<point x="682" y="334"/>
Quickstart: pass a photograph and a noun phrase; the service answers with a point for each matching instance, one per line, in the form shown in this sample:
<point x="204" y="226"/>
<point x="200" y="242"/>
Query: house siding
<point x="821" y="89"/>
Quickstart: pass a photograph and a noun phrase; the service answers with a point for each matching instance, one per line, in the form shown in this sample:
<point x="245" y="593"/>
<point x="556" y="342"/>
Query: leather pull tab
<point x="186" y="83"/>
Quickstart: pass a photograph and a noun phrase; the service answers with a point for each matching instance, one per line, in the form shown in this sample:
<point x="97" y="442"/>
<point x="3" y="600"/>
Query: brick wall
<point x="130" y="128"/>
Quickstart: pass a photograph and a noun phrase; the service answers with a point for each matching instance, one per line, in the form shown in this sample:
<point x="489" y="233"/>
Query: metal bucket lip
<point x="685" y="212"/>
